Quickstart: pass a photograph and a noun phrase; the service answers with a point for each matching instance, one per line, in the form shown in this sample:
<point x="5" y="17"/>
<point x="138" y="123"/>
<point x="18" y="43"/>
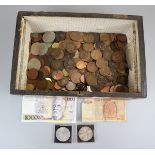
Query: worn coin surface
<point x="76" y="36"/>
<point x="49" y="36"/>
<point x="63" y="134"/>
<point x="96" y="54"/>
<point x="70" y="86"/>
<point x="34" y="63"/>
<point x="91" y="67"/>
<point x="32" y="74"/>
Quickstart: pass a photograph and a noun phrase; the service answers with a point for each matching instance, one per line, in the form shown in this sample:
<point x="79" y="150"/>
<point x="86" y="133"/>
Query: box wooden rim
<point x="139" y="19"/>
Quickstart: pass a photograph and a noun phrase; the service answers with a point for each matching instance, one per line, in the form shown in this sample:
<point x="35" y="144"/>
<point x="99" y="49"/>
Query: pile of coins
<point x="77" y="61"/>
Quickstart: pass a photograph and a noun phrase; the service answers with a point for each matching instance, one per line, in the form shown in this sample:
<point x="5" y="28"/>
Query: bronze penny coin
<point x="121" y="37"/>
<point x="106" y="71"/>
<point x="70" y="47"/>
<point x="101" y="63"/>
<point x="75" y="77"/>
<point x="81" y="64"/>
<point x="88" y="47"/>
<point x="107" y="54"/>
<point x="70" y="86"/>
<point x="46" y="60"/>
<point x="48" y="36"/>
<point x="91" y="67"/>
<point x="120" y="46"/>
<point x="57" y="75"/>
<point x="105" y="37"/>
<point x="60" y="36"/>
<point x="122" y="79"/>
<point x="30" y="87"/>
<point x="61" y="55"/>
<point x="84" y="55"/>
<point x="33" y="82"/>
<point x="63" y="82"/>
<point x="113" y="46"/>
<point x="121" y="88"/>
<point x="68" y="35"/>
<point x="96" y="54"/>
<point x="56" y="86"/>
<point x="88" y="38"/>
<point x="113" y="65"/>
<point x="42" y="85"/>
<point x="117" y="56"/>
<point x="34" y="63"/>
<point x="121" y="67"/>
<point x="105" y="89"/>
<point x="77" y="44"/>
<point x="56" y="53"/>
<point x="46" y="70"/>
<point x="32" y="74"/>
<point x="36" y="37"/>
<point x="76" y="36"/>
<point x="91" y="79"/>
<point x="56" y="64"/>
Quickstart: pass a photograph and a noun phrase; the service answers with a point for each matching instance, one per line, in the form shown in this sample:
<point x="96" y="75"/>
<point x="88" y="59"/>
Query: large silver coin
<point x="35" y="48"/>
<point x="48" y="36"/>
<point x="34" y="63"/>
<point x="63" y="134"/>
<point x="85" y="133"/>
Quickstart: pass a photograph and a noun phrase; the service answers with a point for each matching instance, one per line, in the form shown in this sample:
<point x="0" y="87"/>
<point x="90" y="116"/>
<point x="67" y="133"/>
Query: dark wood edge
<point x="73" y="14"/>
<point x="142" y="57"/>
<point x="143" y="94"/>
<point x="77" y="94"/>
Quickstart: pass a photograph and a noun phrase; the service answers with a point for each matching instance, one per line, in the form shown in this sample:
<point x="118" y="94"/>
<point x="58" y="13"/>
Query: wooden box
<point x="132" y="26"/>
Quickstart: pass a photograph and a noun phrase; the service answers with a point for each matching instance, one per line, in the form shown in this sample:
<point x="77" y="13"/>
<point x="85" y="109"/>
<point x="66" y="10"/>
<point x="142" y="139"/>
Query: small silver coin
<point x="35" y="48"/>
<point x="43" y="48"/>
<point x="63" y="134"/>
<point x="34" y="63"/>
<point x="49" y="36"/>
<point x="70" y="86"/>
<point x="85" y="133"/>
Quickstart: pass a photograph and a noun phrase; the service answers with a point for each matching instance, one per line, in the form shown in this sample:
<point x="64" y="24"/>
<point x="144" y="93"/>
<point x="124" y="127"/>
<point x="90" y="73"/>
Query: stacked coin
<point x="77" y="61"/>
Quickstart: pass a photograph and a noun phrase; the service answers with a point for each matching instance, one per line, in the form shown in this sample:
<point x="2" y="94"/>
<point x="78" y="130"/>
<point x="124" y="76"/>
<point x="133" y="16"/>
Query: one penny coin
<point x="96" y="54"/>
<point x="91" y="79"/>
<point x="56" y="64"/>
<point x="88" y="38"/>
<point x="57" y="75"/>
<point x="81" y="64"/>
<point x="101" y="63"/>
<point x="117" y="56"/>
<point x="88" y="47"/>
<point x="76" y="36"/>
<point x="91" y="67"/>
<point x="32" y="74"/>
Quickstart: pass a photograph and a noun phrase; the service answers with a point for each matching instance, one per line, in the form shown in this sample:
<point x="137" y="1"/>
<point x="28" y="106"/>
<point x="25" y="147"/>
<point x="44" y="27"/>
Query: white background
<point x="137" y="132"/>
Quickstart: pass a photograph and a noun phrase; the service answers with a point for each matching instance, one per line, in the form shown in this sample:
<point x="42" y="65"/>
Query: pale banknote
<point x="49" y="109"/>
<point x="101" y="109"/>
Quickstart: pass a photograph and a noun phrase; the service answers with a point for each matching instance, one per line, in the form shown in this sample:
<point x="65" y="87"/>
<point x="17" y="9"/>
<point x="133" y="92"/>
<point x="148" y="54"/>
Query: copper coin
<point x="88" y="38"/>
<point x="91" y="67"/>
<point x="121" y="46"/>
<point x="77" y="44"/>
<point x="48" y="36"/>
<point x="56" y="53"/>
<point x="56" y="86"/>
<point x="70" y="86"/>
<point x="41" y="85"/>
<point x="105" y="89"/>
<point x="57" y="75"/>
<point x="63" y="82"/>
<point x="84" y="55"/>
<point x="30" y="87"/>
<point x="106" y="71"/>
<point x="34" y="63"/>
<point x="75" y="77"/>
<point x="76" y="36"/>
<point x="60" y="36"/>
<point x="61" y="55"/>
<point x="122" y="79"/>
<point x="33" y="82"/>
<point x="121" y="37"/>
<point x="117" y="56"/>
<point x="32" y="74"/>
<point x="121" y="88"/>
<point x="56" y="64"/>
<point x="46" y="70"/>
<point x="101" y="63"/>
<point x="96" y="54"/>
<point x="105" y="37"/>
<point x="71" y="47"/>
<point x="81" y="64"/>
<point x="122" y="67"/>
<point x="82" y="78"/>
<point x="107" y="54"/>
<point x="103" y="45"/>
<point x="36" y="37"/>
<point x="88" y="47"/>
<point x="91" y="79"/>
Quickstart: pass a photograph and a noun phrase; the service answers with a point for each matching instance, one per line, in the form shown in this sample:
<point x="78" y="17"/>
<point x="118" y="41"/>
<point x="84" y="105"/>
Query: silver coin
<point x="34" y="63"/>
<point x="70" y="86"/>
<point x="63" y="134"/>
<point x="85" y="133"/>
<point x="48" y="36"/>
<point x="35" y="48"/>
<point x="43" y="48"/>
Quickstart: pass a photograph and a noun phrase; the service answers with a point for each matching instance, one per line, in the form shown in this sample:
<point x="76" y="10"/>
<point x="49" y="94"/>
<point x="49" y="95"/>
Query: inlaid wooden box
<point x="132" y="26"/>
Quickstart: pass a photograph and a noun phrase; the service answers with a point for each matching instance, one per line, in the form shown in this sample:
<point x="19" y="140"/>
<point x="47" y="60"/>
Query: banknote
<point x="49" y="109"/>
<point x="101" y="109"/>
